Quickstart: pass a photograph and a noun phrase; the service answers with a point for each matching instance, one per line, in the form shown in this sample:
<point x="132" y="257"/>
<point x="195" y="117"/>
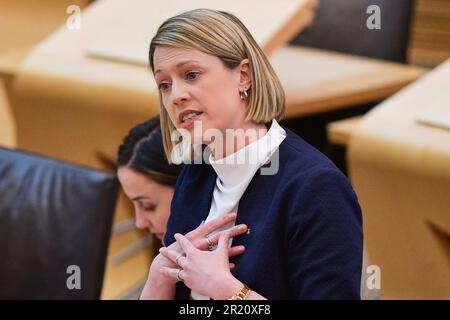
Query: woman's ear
<point x="245" y="78"/>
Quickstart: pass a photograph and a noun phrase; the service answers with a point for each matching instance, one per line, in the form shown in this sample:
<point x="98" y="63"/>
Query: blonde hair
<point x="223" y="35"/>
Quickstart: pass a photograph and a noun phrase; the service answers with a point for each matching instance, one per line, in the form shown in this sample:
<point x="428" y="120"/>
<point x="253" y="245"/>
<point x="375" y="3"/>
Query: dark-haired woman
<point x="146" y="177"/>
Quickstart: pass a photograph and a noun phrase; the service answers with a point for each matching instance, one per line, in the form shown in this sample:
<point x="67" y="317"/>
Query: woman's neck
<point x="236" y="139"/>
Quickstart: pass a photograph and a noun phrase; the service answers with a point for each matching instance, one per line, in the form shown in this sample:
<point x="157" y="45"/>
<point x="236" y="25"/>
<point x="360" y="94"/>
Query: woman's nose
<point x="180" y="94"/>
<point x="141" y="222"/>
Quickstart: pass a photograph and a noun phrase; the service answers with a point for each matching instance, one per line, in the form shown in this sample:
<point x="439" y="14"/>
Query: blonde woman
<point x="304" y="238"/>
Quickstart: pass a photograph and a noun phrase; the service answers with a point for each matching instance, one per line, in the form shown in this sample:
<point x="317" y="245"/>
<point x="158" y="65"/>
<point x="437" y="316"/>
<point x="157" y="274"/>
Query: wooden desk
<point x="400" y="169"/>
<point x="318" y="81"/>
<point x="340" y="132"/>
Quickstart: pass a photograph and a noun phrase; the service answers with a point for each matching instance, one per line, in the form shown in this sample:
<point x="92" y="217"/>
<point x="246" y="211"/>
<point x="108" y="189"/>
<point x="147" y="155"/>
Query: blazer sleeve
<point x="325" y="241"/>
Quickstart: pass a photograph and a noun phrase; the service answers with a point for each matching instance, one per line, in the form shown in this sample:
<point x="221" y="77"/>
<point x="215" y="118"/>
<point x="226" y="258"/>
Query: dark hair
<point x="142" y="150"/>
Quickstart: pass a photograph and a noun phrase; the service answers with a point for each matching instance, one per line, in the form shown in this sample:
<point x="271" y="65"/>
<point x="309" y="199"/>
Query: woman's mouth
<point x="188" y="120"/>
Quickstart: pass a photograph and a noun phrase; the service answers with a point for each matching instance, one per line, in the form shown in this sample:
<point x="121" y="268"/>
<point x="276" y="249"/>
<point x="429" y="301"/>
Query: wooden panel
<point x="121" y="276"/>
<point x="399" y="167"/>
<point x="430" y="34"/>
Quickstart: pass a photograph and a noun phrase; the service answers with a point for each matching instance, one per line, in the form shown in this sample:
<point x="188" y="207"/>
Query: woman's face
<point x="151" y="200"/>
<point x="196" y="83"/>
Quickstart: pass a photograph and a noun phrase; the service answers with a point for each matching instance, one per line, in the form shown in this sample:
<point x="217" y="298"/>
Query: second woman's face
<point x="196" y="86"/>
<point x="151" y="200"/>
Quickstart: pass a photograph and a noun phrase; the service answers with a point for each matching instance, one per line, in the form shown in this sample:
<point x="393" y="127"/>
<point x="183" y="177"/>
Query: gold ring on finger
<point x="177" y="258"/>
<point x="178" y="275"/>
<point x="211" y="245"/>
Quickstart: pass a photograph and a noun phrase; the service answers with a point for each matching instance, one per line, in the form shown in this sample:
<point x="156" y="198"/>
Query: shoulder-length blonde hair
<point x="223" y="35"/>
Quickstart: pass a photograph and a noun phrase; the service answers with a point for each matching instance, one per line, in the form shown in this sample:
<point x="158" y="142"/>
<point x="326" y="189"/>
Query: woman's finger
<point x="212" y="225"/>
<point x="185" y="244"/>
<point x="234" y="232"/>
<point x="224" y="240"/>
<point x="219" y="222"/>
<point x="202" y="243"/>
<point x="174" y="273"/>
<point x="193" y="233"/>
<point x="173" y="255"/>
<point x="235" y="251"/>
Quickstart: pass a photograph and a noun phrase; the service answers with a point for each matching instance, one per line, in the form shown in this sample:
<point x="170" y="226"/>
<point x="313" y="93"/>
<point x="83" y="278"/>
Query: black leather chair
<point x="340" y="25"/>
<point x="53" y="215"/>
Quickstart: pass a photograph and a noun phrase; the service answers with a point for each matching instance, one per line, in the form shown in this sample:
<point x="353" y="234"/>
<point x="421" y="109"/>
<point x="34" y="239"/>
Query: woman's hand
<point x="206" y="272"/>
<point x="197" y="237"/>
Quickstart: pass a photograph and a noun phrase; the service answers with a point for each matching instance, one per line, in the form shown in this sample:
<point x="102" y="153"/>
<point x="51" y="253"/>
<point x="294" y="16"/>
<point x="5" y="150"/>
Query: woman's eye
<point x="163" y="86"/>
<point x="192" y="75"/>
<point x="148" y="207"/>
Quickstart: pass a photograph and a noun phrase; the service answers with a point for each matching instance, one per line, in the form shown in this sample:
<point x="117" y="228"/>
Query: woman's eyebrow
<point x="139" y="198"/>
<point x="180" y="64"/>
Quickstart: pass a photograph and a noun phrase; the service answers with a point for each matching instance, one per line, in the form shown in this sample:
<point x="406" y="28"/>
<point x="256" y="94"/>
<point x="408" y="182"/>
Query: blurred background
<point x="367" y="83"/>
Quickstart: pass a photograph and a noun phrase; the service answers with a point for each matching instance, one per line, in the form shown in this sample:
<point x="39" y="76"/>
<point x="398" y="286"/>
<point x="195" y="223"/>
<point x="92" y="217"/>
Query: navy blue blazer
<point x="306" y="227"/>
